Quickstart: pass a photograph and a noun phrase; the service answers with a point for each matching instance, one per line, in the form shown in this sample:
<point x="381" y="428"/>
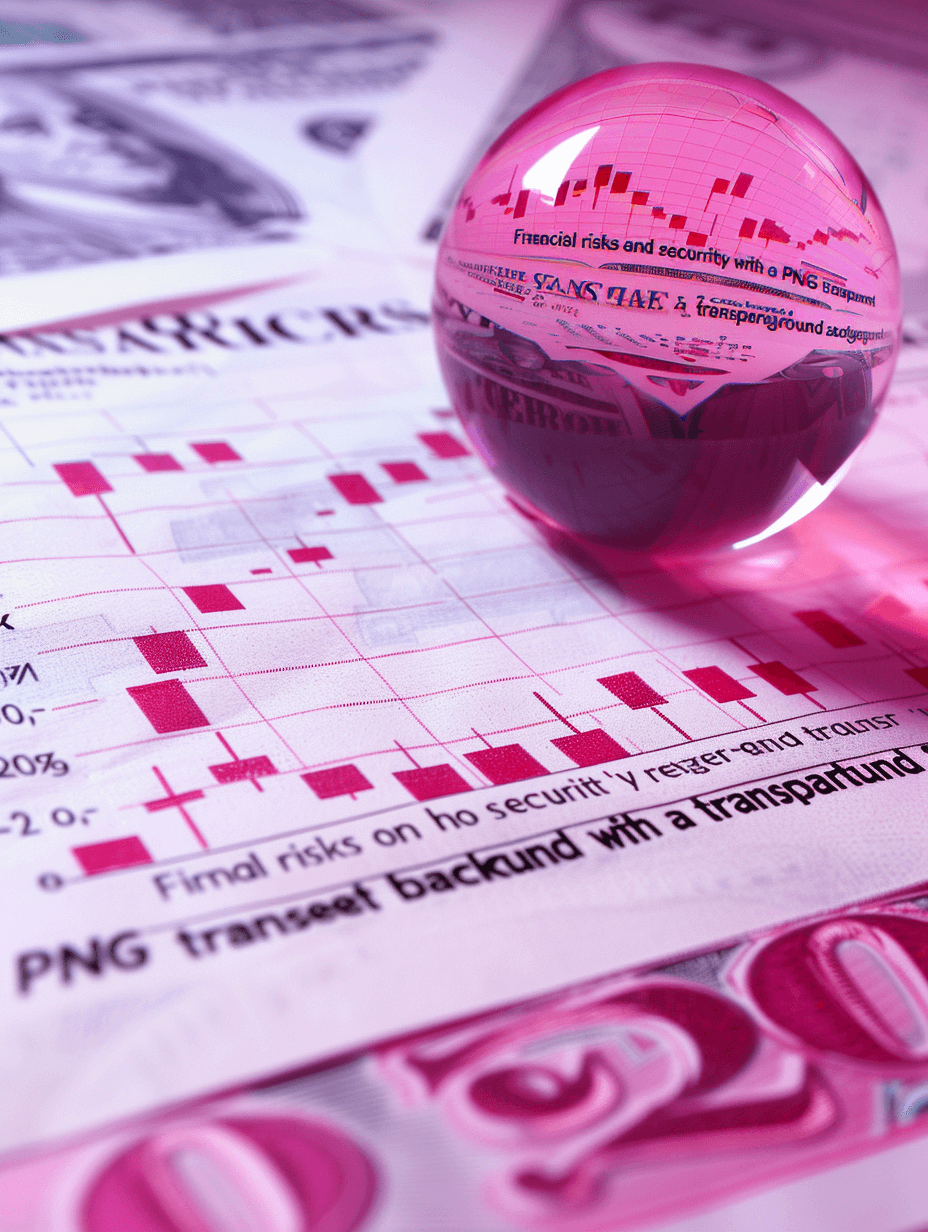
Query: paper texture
<point x="319" y="759"/>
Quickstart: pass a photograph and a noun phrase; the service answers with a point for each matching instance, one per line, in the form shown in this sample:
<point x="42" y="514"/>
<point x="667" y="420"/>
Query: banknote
<point x="91" y="175"/>
<point x="243" y="146"/>
<point x="777" y="1081"/>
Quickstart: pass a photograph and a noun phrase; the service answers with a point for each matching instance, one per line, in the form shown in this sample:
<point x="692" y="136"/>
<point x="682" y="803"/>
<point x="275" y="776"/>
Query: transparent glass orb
<point x="667" y="308"/>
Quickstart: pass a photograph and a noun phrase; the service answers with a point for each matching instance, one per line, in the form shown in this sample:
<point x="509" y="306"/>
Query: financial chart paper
<point x="370" y="858"/>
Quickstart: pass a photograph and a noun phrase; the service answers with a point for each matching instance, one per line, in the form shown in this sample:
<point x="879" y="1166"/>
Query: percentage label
<point x="21" y="765"/>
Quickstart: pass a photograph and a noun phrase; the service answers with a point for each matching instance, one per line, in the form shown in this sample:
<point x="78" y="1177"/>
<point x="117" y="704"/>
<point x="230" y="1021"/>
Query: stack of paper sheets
<point x="370" y="861"/>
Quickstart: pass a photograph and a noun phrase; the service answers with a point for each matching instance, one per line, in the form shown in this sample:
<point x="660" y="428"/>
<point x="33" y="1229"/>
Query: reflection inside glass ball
<point x="667" y="306"/>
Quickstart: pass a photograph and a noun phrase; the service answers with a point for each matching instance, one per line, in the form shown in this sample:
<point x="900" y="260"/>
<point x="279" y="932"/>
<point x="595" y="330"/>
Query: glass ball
<point x="667" y="308"/>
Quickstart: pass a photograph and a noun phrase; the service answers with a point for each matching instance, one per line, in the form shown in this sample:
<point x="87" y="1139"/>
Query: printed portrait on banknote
<point x="105" y="159"/>
<point x="85" y="179"/>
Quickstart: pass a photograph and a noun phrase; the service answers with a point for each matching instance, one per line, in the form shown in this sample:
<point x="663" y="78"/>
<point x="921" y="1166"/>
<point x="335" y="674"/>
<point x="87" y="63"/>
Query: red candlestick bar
<point x="336" y="781"/>
<point x="215" y="598"/>
<point x="355" y="489"/>
<point x="304" y="556"/>
<point x="506" y="764"/>
<point x="590" y="748"/>
<point x="718" y="684"/>
<point x="443" y="444"/>
<point x="82" y="478"/>
<point x="115" y="853"/>
<point x="782" y="678"/>
<point x="629" y="688"/>
<point x="243" y="768"/>
<point x="829" y="630"/>
<point x="153" y="462"/>
<point x="168" y="706"/>
<point x="404" y="472"/>
<point x="169" y="652"/>
<point x="430" y="782"/>
<point x="216" y="451"/>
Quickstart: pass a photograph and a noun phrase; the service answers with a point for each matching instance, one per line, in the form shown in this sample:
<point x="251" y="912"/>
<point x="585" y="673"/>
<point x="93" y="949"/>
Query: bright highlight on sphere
<point x="667" y="308"/>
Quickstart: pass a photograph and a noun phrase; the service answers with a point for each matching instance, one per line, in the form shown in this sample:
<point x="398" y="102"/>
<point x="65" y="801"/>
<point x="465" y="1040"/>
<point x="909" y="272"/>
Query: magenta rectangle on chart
<point x="404" y="472"/>
<point x="832" y="631"/>
<point x="443" y="444"/>
<point x="178" y="801"/>
<point x="116" y="853"/>
<point x="305" y="556"/>
<point x="216" y="451"/>
<point x="919" y="675"/>
<point x="168" y="706"/>
<point x="337" y="781"/>
<point x="243" y="768"/>
<point x="629" y="688"/>
<point x="783" y="678"/>
<point x="152" y="462"/>
<point x="82" y="478"/>
<point x="590" y="748"/>
<point x="355" y="489"/>
<point x="169" y="652"/>
<point x="430" y="782"/>
<point x="741" y="184"/>
<point x="507" y="764"/>
<point x="215" y="598"/>
<point x="718" y="684"/>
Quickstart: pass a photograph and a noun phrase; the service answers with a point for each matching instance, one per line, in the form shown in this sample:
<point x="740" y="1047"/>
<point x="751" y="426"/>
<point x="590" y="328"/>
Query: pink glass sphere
<point x="667" y="308"/>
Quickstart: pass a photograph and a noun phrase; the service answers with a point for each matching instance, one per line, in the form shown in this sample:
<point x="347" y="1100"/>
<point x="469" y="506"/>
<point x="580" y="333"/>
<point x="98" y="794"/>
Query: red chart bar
<point x="304" y="556"/>
<point x="169" y="652"/>
<point x="178" y="801"/>
<point x="919" y="675"/>
<point x="404" y="472"/>
<point x="153" y="462"/>
<point x="82" y="478"/>
<point x="506" y="764"/>
<point x="718" y="684"/>
<point x="629" y="688"/>
<point x="830" y="630"/>
<point x="216" y="451"/>
<point x="430" y="782"/>
<point x="782" y="678"/>
<point x="443" y="445"/>
<point x="338" y="781"/>
<point x="243" y="768"/>
<point x="168" y="706"/>
<point x="590" y="748"/>
<point x="216" y="598"/>
<point x="355" y="489"/>
<point x="116" y="853"/>
<point x="741" y="184"/>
